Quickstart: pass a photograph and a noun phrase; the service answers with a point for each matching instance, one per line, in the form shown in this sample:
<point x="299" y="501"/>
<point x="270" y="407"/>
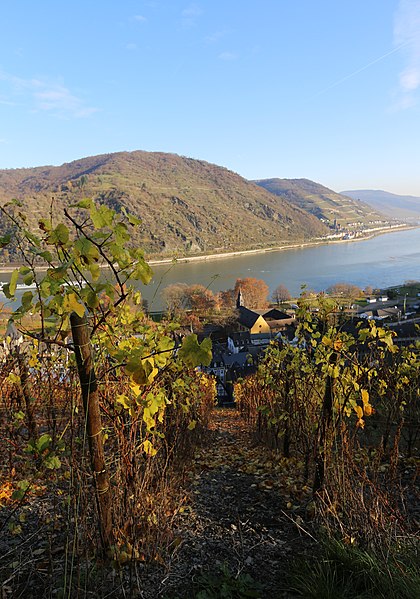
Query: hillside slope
<point x="396" y="206"/>
<point x="187" y="206"/>
<point x="322" y="202"/>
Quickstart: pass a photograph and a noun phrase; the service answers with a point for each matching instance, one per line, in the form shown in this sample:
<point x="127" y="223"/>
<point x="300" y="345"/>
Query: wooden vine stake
<point x="93" y="422"/>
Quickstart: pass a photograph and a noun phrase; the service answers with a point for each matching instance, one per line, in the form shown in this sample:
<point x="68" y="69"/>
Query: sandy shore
<point x="293" y="246"/>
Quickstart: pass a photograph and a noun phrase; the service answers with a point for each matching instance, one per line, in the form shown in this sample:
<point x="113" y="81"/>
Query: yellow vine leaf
<point x="149" y="449"/>
<point x="13" y="378"/>
<point x="71" y="304"/>
<point x="367" y="408"/>
<point x="333" y="371"/>
<point x="148" y="419"/>
<point x="359" y="411"/>
<point x="327" y="341"/>
<point x="136" y="389"/>
<point x="33" y="362"/>
<point x="124" y="401"/>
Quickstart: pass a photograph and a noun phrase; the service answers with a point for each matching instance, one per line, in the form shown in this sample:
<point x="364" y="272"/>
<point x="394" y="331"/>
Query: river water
<point x="381" y="261"/>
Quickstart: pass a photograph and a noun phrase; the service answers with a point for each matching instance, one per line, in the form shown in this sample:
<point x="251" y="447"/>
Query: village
<point x="236" y="353"/>
<point x="239" y="343"/>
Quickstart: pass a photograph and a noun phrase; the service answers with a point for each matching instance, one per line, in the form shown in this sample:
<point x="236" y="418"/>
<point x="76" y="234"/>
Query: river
<point x="382" y="261"/>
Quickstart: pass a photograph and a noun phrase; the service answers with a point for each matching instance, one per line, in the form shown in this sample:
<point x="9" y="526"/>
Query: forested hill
<point x="322" y="202"/>
<point x="187" y="206"/>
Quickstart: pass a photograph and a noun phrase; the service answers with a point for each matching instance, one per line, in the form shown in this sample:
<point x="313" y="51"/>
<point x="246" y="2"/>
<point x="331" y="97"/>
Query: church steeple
<point x="239" y="299"/>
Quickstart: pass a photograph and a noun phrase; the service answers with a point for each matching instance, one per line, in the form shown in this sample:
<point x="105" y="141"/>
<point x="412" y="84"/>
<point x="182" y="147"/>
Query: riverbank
<point x="223" y="255"/>
<point x="293" y="246"/>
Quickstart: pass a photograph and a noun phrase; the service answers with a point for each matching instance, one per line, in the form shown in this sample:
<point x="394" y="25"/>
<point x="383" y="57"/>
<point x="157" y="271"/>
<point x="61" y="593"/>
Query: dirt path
<point x="237" y="515"/>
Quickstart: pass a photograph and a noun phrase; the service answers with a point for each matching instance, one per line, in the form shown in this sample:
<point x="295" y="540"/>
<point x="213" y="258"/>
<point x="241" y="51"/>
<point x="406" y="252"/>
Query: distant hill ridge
<point x="394" y="205"/>
<point x="322" y="202"/>
<point x="187" y="206"/>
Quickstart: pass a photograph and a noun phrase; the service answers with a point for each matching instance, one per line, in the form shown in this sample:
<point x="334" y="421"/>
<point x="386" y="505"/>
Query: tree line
<point x="181" y="297"/>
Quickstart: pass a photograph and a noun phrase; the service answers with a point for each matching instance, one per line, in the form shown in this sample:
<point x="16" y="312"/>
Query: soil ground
<point x="236" y="515"/>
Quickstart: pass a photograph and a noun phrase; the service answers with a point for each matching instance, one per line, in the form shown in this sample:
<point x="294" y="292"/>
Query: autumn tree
<point x="176" y="297"/>
<point x="201" y="299"/>
<point x="180" y="297"/>
<point x="227" y="299"/>
<point x="254" y="292"/>
<point x="347" y="290"/>
<point x="281" y="294"/>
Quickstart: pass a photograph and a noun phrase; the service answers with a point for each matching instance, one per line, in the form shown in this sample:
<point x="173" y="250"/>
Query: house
<point x="381" y="314"/>
<point x="217" y="368"/>
<point x="261" y="339"/>
<point x="279" y="321"/>
<point x="251" y="321"/>
<point x="268" y="322"/>
<point x="276" y="314"/>
<point x="240" y="340"/>
<point x="227" y="367"/>
<point x="237" y="355"/>
<point x="238" y="361"/>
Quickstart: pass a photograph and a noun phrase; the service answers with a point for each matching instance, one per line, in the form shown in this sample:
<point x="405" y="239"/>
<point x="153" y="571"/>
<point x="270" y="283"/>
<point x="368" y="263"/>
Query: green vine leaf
<point x="102" y="216"/>
<point x="5" y="240"/>
<point x="194" y="354"/>
<point x="85" y="203"/>
<point x="45" y="224"/>
<point x="86" y="250"/>
<point x="52" y="462"/>
<point x="12" y="285"/>
<point x="59" y="236"/>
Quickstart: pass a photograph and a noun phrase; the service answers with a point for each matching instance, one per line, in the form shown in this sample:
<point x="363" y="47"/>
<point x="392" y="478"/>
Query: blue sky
<point x="322" y="89"/>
